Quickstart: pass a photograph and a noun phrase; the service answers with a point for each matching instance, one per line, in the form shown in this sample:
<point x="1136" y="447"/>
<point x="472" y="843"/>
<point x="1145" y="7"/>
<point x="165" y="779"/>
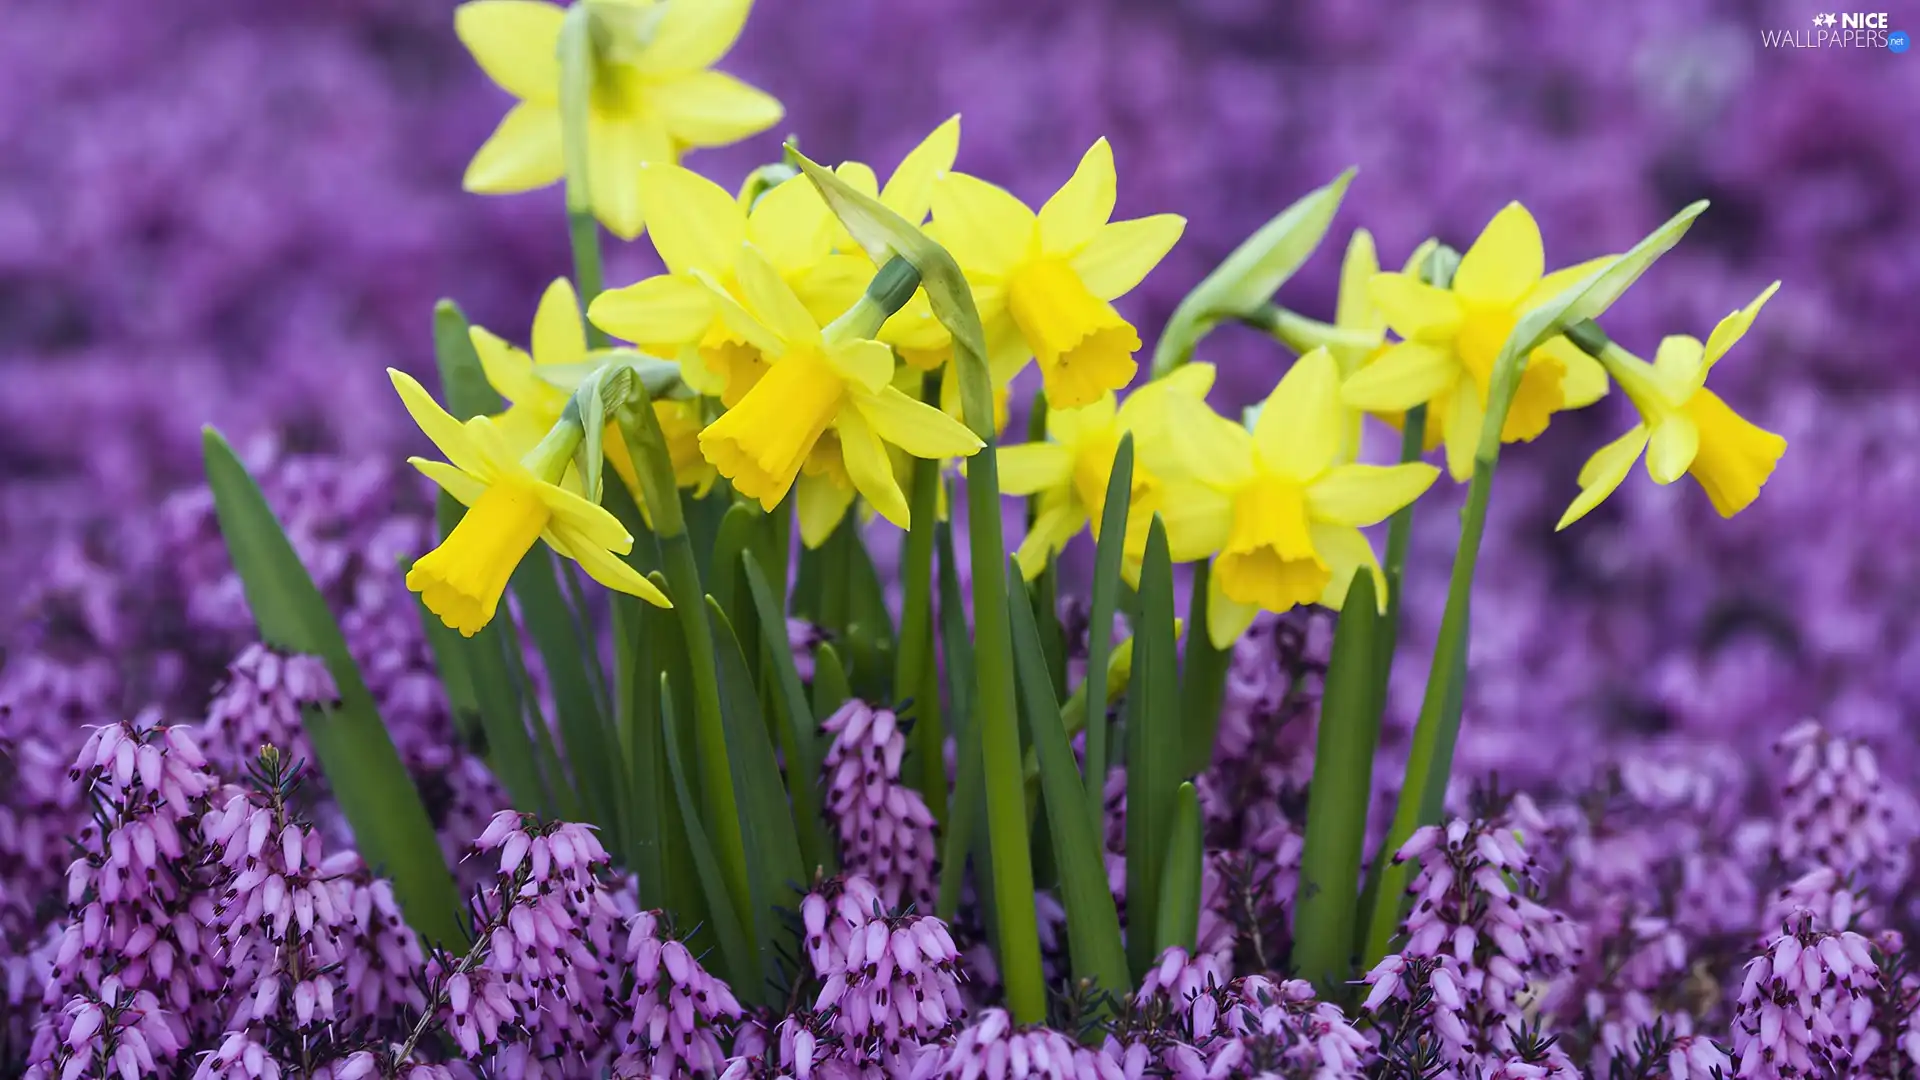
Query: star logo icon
<point x="1829" y="18"/>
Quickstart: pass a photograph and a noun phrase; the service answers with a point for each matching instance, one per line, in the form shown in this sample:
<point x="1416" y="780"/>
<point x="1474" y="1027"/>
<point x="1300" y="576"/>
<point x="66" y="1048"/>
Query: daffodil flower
<point x="560" y="340"/>
<point x="1452" y="338"/>
<point x="1684" y="427"/>
<point x="1043" y="282"/>
<point x="652" y="97"/>
<point x="1070" y="472"/>
<point x="675" y="315"/>
<point x="512" y="501"/>
<point x="814" y="383"/>
<point x="1274" y="507"/>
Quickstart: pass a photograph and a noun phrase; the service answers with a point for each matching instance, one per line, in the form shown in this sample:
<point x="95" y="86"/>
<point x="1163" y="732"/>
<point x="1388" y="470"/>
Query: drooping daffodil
<point x="1684" y="427"/>
<point x="1274" y="507"/>
<point x="1043" y="283"/>
<point x="513" y="498"/>
<point x="559" y="342"/>
<point x="1453" y="336"/>
<point x="816" y="382"/>
<point x="1071" y="470"/>
<point x="675" y="315"/>
<point x="652" y="94"/>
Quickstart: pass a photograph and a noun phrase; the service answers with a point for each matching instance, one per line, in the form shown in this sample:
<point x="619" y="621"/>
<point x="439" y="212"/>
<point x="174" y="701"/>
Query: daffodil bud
<point x="887" y="293"/>
<point x="548" y="459"/>
<point x="598" y="398"/>
<point x="765" y="179"/>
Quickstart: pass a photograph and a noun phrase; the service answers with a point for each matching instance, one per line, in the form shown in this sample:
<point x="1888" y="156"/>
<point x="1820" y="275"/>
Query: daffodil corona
<point x="1684" y="427"/>
<point x="1274" y="506"/>
<point x="512" y="501"/>
<point x="652" y="96"/>
<point x="1043" y="283"/>
<point x="1453" y="336"/>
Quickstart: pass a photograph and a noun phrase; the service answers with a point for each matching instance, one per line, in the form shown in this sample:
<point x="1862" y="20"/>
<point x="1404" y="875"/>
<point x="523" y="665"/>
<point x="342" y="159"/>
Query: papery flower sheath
<point x="1684" y="427"/>
<point x="1043" y="282"/>
<point x="1453" y="336"/>
<point x="1272" y="505"/>
<point x="509" y="506"/>
<point x="653" y="96"/>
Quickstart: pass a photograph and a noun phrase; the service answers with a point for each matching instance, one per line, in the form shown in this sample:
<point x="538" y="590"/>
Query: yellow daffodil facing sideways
<point x="1070" y="472"/>
<point x="512" y="501"/>
<point x="1273" y="506"/>
<point x="816" y="383"/>
<point x="675" y="315"/>
<point x="1043" y="282"/>
<point x="652" y="95"/>
<point x="559" y="339"/>
<point x="1452" y="338"/>
<point x="1684" y="427"/>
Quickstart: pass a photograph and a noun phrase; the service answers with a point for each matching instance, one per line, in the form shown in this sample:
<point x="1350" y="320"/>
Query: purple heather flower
<point x="128" y="1031"/>
<point x="993" y="1046"/>
<point x="885" y="828"/>
<point x="892" y="983"/>
<point x="1805" y="1003"/>
<point x="1838" y="812"/>
<point x="260" y="703"/>
<point x="676" y="1013"/>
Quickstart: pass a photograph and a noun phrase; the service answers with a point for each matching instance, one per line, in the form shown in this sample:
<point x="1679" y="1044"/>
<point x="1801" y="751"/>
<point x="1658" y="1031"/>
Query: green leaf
<point x="914" y="671"/>
<point x="737" y="529"/>
<point x="965" y="812"/>
<point x="556" y="630"/>
<point x="1251" y="275"/>
<point x="1093" y="926"/>
<point x="1107" y="557"/>
<point x="390" y="825"/>
<point x="742" y="970"/>
<point x="800" y="736"/>
<point x="1203" y="680"/>
<point x="1153" y="747"/>
<point x="463" y="382"/>
<point x="1180" y="881"/>
<point x="830" y="690"/>
<point x="1340" y="796"/>
<point x="774" y="875"/>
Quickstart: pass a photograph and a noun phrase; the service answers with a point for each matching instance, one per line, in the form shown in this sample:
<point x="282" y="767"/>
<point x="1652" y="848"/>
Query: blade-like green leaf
<point x="913" y="674"/>
<point x="969" y="799"/>
<point x="463" y="382"/>
<point x="1203" y="681"/>
<point x="800" y="735"/>
<point x="1107" y="557"/>
<point x="1153" y="748"/>
<point x="389" y="822"/>
<point x="1180" y="881"/>
<point x="556" y="631"/>
<point x="830" y="689"/>
<point x="1093" y="926"/>
<point x="742" y="967"/>
<point x="737" y="528"/>
<point x="1252" y="274"/>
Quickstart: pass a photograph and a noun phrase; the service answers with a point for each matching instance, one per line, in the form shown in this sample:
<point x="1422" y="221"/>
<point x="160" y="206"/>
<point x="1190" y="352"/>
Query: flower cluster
<point x="885" y="829"/>
<point x="889" y="983"/>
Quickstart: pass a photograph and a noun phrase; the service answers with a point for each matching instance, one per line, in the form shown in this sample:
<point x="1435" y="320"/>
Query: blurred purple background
<point x="239" y="213"/>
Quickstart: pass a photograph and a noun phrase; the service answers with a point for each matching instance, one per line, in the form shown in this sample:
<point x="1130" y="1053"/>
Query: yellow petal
<point x="867" y="466"/>
<point x="558" y="336"/>
<point x="663" y="310"/>
<point x="859" y="176"/>
<point x="791" y="226"/>
<point x="700" y="226"/>
<point x="773" y="302"/>
<point x="1735" y="326"/>
<point x="1227" y="618"/>
<point x="1585" y="381"/>
<point x="1414" y="309"/>
<point x="516" y="42"/>
<point x="1367" y="494"/>
<point x="909" y="191"/>
<point x="1083" y="204"/>
<point x="1679" y="368"/>
<point x="1205" y="447"/>
<point x="605" y="567"/>
<point x="1031" y="468"/>
<point x="1675" y="442"/>
<point x="1122" y="252"/>
<point x="1354" y="310"/>
<point x="916" y="427"/>
<point x="866" y="364"/>
<point x="1505" y="262"/>
<point x="1345" y="551"/>
<point x="820" y="501"/>
<point x="1561" y="280"/>
<point x="709" y="108"/>
<point x="1299" y="429"/>
<point x="1409" y="373"/>
<point x="1198" y="520"/>
<point x="620" y="147"/>
<point x="691" y="36"/>
<point x="509" y="371"/>
<point x="1051" y="530"/>
<point x="522" y="154"/>
<point x="737" y="319"/>
<point x="987" y="230"/>
<point x="461" y="486"/>
<point x="586" y="519"/>
<point x="1603" y="472"/>
<point x="447" y="433"/>
<point x="1736" y="456"/>
<point x="1465" y="417"/>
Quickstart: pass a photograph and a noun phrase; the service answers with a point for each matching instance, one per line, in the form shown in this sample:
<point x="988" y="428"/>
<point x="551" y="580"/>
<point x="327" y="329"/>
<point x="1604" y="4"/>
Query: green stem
<point x="648" y="447"/>
<point x="576" y="90"/>
<point x="1203" y="680"/>
<point x="913" y="669"/>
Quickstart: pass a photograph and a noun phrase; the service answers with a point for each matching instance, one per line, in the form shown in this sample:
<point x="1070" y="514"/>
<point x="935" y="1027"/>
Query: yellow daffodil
<point x="675" y="315"/>
<point x="1684" y="427"/>
<point x="1452" y="338"/>
<point x="512" y="500"/>
<point x="1043" y="282"/>
<point x="1070" y="472"/>
<point x="815" y="383"/>
<point x="652" y="98"/>
<point x="1279" y="513"/>
<point x="559" y="339"/>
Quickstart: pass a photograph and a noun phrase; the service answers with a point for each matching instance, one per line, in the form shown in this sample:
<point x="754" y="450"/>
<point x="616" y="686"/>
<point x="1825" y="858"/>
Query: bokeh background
<point x="239" y="213"/>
